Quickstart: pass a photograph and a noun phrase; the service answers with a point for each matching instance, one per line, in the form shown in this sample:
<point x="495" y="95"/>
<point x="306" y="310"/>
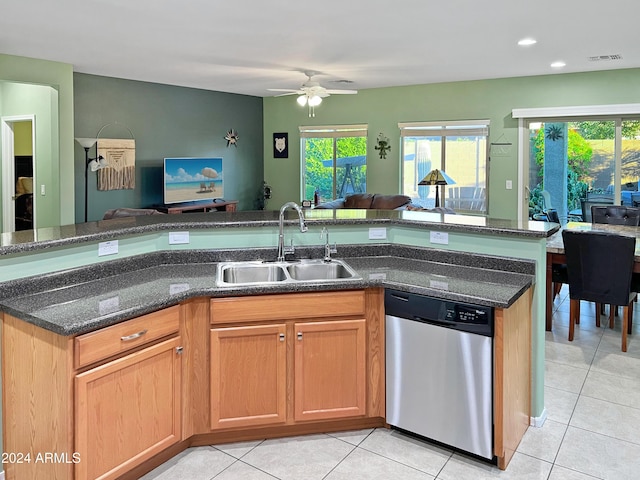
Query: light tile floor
<point x="592" y="397"/>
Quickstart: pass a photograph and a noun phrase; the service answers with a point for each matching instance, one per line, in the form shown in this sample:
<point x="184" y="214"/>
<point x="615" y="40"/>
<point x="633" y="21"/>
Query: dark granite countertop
<point x="556" y="245"/>
<point x="84" y="299"/>
<point x="43" y="238"/>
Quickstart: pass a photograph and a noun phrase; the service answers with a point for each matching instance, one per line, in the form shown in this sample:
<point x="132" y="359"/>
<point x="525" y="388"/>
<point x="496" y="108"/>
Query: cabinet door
<point x="127" y="410"/>
<point x="248" y="376"/>
<point x="330" y="360"/>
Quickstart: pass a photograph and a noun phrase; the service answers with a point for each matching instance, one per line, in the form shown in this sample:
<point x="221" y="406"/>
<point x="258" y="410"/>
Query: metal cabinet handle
<point x="282" y="337"/>
<point x="299" y="335"/>
<point x="133" y="336"/>
<point x="179" y="350"/>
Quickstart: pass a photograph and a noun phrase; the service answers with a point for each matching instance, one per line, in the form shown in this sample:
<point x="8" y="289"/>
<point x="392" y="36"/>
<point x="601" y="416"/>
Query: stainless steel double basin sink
<point x="269" y="273"/>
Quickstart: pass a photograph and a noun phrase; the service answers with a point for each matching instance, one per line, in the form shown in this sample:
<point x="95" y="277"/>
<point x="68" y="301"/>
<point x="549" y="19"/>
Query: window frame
<point x="327" y="131"/>
<point x="525" y="116"/>
<point x="444" y="129"/>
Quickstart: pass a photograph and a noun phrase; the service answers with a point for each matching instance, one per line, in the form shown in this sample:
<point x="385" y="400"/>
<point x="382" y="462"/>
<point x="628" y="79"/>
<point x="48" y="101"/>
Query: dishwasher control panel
<point x="447" y="313"/>
<point x="461" y="312"/>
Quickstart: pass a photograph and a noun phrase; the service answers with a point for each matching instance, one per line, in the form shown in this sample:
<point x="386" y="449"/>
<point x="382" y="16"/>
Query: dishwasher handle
<point x="447" y="323"/>
<point x="402" y="298"/>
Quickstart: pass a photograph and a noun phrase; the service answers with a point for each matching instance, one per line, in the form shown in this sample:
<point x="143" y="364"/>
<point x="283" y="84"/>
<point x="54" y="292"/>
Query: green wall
<point x="383" y="108"/>
<point x="59" y="76"/>
<point x="41" y="101"/>
<point x="166" y="121"/>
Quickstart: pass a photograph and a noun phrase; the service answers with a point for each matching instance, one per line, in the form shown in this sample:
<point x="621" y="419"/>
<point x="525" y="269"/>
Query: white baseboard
<point x="537" y="422"/>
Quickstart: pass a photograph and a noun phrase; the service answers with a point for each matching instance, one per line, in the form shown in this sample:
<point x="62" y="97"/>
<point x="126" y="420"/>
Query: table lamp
<point x="437" y="177"/>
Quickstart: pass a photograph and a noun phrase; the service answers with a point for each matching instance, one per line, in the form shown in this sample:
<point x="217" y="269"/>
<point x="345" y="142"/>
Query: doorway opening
<point x="18" y="172"/>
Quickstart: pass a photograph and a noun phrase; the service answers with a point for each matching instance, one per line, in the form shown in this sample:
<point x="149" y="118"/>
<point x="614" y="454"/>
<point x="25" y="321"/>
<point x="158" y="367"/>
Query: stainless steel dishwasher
<point x="439" y="370"/>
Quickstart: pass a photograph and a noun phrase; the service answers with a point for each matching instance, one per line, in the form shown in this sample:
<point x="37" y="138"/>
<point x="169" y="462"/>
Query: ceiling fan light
<point x="302" y="100"/>
<point x="315" y="101"/>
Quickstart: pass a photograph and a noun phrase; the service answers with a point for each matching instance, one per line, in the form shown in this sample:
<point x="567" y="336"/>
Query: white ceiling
<point x="248" y="46"/>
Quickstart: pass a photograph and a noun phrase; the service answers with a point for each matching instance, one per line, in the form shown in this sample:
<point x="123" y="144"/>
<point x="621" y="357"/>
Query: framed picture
<point x="281" y="145"/>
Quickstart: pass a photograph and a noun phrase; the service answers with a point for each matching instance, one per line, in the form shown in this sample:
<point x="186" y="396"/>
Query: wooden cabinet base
<point x="244" y="435"/>
<point x="512" y="377"/>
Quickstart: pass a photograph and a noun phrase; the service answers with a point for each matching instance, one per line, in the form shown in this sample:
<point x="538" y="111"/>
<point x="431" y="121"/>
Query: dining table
<point x="556" y="255"/>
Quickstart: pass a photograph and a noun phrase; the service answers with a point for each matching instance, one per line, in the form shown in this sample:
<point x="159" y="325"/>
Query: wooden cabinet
<point x="93" y="406"/>
<point x="122" y="337"/>
<point x="330" y="361"/>
<point x="127" y="410"/>
<point x="296" y="358"/>
<point x="119" y="401"/>
<point x="248" y="376"/>
<point x="512" y="377"/>
<point x="37" y="400"/>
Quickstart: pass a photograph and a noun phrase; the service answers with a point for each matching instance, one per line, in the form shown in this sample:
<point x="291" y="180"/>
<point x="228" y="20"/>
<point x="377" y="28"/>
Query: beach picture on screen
<point x="192" y="179"/>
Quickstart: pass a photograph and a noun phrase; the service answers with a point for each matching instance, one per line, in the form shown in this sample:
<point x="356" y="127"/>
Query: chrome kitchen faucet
<point x="282" y="250"/>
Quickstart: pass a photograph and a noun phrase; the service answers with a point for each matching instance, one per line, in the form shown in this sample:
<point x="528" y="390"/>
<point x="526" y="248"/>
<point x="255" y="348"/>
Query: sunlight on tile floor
<point x="592" y="397"/>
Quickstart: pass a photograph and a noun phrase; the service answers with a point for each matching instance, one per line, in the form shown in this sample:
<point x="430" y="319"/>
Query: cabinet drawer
<point x="95" y="346"/>
<point x="287" y="306"/>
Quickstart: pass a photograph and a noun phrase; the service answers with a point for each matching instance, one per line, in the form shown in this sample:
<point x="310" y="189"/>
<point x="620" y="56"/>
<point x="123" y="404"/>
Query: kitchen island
<point x="69" y="295"/>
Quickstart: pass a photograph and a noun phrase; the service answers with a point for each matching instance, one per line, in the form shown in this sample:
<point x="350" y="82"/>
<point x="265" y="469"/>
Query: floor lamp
<point x="437" y="177"/>
<point x="89" y="163"/>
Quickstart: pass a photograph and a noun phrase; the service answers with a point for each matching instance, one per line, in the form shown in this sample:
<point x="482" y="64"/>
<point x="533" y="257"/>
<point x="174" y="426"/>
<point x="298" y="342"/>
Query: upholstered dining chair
<point x="586" y="204"/>
<point x="599" y="268"/>
<point x="615" y="215"/>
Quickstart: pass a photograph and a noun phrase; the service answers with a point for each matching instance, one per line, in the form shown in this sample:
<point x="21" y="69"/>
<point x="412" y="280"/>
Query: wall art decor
<point x="281" y="145"/>
<point x="120" y="158"/>
<point x="232" y="138"/>
<point x="383" y="145"/>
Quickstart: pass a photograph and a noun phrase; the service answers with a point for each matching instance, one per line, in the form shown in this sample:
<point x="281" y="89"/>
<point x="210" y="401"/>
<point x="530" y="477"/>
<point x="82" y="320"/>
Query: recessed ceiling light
<point x="558" y="64"/>
<point x="525" y="42"/>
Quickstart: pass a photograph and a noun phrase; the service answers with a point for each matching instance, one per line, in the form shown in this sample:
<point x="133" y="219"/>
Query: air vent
<point x="600" y="58"/>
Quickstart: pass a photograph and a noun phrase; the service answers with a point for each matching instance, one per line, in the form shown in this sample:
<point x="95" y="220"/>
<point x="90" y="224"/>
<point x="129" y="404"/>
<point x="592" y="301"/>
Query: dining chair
<point x="599" y="268"/>
<point x="615" y="215"/>
<point x="586" y="204"/>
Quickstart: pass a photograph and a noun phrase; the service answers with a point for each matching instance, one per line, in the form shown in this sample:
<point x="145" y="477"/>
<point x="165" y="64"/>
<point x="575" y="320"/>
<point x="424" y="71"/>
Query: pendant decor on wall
<point x="501" y="147"/>
<point x="232" y="138"/>
<point x="120" y="156"/>
<point x="383" y="145"/>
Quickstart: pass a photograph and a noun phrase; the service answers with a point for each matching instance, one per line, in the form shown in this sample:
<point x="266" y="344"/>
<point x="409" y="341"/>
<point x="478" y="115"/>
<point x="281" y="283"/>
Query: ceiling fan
<point x="311" y="93"/>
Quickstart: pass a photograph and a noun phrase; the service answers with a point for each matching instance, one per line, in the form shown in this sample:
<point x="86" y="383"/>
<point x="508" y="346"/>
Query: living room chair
<point x="599" y="269"/>
<point x="549" y="214"/>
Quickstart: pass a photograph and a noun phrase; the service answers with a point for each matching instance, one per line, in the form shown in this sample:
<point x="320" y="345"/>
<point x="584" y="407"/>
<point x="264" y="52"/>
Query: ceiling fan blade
<point x="291" y="90"/>
<point x="342" y="92"/>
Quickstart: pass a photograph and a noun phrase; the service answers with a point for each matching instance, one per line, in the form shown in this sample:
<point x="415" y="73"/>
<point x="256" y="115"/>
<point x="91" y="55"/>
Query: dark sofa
<point x="369" y="201"/>
<point x="129" y="212"/>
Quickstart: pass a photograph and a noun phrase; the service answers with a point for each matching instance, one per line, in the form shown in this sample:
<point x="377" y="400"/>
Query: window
<point x="575" y="162"/>
<point x="457" y="148"/>
<point x="334" y="161"/>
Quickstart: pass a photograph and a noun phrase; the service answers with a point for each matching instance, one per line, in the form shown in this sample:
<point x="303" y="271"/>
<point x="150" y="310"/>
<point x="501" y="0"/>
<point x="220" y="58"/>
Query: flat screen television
<point x="192" y="179"/>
